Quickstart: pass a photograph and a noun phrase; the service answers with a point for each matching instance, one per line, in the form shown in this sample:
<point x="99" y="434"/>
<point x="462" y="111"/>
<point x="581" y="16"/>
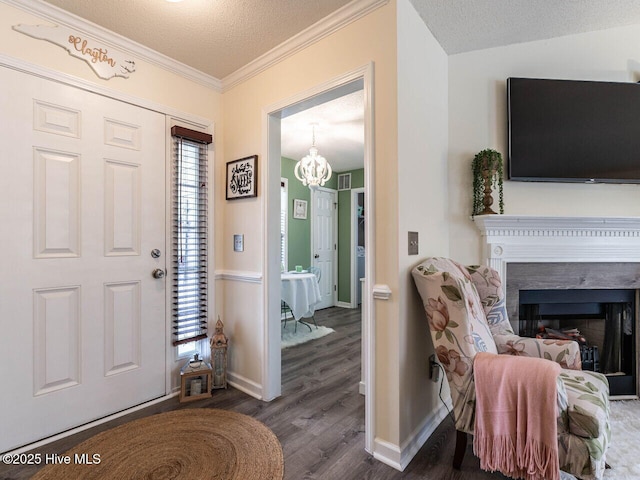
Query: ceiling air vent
<point x="344" y="181"/>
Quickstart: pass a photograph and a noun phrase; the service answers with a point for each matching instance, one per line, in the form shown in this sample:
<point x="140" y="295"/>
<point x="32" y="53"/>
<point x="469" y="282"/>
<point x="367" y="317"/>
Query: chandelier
<point x="313" y="170"/>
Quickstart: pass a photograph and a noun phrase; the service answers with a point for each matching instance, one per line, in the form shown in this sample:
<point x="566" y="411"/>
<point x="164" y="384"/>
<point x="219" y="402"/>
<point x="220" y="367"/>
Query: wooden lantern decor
<point x="487" y="174"/>
<point x="195" y="380"/>
<point x="219" y="343"/>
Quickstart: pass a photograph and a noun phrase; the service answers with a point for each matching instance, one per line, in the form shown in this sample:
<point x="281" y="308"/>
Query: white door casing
<point x="271" y="368"/>
<point x="324" y="243"/>
<point x="83" y="204"/>
<point x="357" y="263"/>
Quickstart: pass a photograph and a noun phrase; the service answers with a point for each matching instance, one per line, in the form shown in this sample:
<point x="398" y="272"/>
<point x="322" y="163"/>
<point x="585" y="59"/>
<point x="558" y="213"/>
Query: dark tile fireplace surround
<point x="598" y="300"/>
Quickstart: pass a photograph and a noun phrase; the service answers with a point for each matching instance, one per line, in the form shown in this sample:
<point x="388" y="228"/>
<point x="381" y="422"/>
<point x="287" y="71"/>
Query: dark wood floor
<point x="319" y="419"/>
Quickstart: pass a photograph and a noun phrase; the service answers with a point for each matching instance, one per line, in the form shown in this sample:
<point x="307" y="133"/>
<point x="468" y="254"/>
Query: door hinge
<point x="335" y="246"/>
<point x="334" y="288"/>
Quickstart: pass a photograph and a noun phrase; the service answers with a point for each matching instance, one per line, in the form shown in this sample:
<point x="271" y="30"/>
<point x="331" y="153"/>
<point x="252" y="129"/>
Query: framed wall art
<point x="242" y="178"/>
<point x="299" y="209"/>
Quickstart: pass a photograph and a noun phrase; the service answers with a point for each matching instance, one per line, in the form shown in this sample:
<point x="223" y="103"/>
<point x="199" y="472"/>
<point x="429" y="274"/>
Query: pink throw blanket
<point x="516" y="430"/>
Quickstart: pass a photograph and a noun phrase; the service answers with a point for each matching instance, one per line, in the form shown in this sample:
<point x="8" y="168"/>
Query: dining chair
<point x="285" y="310"/>
<point x="316" y="271"/>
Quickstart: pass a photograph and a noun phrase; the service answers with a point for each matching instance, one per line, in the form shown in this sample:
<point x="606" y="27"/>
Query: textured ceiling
<point x="466" y="25"/>
<point x="218" y="37"/>
<point x="214" y="36"/>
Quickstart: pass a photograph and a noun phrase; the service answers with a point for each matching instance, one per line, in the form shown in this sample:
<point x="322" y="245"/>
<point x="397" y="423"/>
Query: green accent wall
<point x="344" y="235"/>
<point x="299" y="237"/>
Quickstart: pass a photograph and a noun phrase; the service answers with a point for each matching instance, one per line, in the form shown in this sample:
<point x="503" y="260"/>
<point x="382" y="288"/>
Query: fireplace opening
<point x="601" y="321"/>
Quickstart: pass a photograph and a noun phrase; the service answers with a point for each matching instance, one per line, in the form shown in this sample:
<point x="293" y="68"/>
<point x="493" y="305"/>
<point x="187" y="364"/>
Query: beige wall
<point x="478" y="120"/>
<point x="423" y="203"/>
<point x="370" y="39"/>
<point x="148" y="81"/>
<point x="410" y="101"/>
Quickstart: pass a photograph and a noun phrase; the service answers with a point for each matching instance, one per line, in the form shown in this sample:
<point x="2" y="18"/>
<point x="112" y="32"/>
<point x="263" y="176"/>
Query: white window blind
<point x="189" y="235"/>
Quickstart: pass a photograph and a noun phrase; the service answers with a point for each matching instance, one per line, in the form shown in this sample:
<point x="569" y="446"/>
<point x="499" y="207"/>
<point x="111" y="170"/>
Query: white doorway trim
<point x="271" y="116"/>
<point x="284" y="185"/>
<point x="355" y="281"/>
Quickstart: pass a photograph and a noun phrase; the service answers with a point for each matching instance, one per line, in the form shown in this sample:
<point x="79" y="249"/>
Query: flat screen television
<point x="573" y="131"/>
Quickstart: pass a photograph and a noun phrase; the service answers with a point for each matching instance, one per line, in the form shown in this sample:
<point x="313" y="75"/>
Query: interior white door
<point x="324" y="246"/>
<point x="82" y="186"/>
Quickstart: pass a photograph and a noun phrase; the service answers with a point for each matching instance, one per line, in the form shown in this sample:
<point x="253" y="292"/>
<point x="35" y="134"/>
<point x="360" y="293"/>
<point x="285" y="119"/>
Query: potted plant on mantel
<point x="487" y="175"/>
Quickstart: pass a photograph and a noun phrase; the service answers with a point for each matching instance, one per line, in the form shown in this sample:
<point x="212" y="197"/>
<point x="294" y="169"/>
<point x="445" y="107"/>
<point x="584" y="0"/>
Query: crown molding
<point x="319" y="30"/>
<point x="56" y="15"/>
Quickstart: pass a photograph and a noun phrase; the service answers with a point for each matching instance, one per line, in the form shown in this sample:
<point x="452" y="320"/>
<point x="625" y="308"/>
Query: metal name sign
<point x="105" y="63"/>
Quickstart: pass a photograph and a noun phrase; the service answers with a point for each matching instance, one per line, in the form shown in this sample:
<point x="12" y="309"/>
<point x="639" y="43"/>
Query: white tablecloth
<point x="301" y="292"/>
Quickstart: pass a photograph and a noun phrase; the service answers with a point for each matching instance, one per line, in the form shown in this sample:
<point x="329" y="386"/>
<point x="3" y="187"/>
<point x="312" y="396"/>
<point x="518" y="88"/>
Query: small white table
<point x="301" y="292"/>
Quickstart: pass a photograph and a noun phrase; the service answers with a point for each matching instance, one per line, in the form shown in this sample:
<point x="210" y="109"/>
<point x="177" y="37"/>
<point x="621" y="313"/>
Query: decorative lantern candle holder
<point x="195" y="380"/>
<point x="219" y="343"/>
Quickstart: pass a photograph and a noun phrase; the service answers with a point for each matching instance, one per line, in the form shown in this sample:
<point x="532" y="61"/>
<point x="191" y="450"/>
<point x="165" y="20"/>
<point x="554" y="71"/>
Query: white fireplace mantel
<point x="514" y="238"/>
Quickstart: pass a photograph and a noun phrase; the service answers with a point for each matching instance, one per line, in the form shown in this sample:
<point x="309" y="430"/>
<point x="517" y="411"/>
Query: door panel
<point x="56" y="204"/>
<point x="122" y="208"/>
<point x="122" y="327"/>
<point x="324" y="248"/>
<point x="56" y="325"/>
<point x="82" y="182"/>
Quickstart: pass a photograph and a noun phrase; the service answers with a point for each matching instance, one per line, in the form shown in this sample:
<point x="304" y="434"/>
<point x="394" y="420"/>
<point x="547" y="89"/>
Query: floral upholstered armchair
<point x="466" y="313"/>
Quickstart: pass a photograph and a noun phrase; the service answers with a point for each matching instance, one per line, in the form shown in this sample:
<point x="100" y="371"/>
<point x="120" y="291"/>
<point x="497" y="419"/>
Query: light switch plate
<point x="238" y="243"/>
<point x="413" y="243"/>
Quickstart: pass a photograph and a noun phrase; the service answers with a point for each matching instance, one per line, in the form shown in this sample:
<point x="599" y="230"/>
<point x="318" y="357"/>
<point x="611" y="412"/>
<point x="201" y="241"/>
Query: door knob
<point x="316" y="256"/>
<point x="158" y="273"/>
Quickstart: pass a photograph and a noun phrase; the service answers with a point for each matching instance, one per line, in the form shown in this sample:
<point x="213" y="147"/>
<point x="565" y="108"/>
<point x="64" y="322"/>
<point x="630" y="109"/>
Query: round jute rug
<point x="190" y="444"/>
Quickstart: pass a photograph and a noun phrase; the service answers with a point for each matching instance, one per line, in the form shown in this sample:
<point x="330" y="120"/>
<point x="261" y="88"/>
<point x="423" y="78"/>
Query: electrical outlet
<point x="434" y="369"/>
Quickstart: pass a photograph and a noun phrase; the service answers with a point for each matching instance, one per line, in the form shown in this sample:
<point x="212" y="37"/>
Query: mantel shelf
<point x="509" y="225"/>
<point x="545" y="239"/>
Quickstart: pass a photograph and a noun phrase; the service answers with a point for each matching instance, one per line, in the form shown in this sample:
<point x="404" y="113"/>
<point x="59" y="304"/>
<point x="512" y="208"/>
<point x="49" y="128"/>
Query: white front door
<point x="324" y="242"/>
<point x="82" y="186"/>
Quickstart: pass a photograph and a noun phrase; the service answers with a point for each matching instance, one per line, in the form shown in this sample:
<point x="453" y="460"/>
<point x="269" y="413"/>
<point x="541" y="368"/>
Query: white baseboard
<point x="399" y="457"/>
<point x="387" y="453"/>
<point x="361" y="388"/>
<point x="245" y="385"/>
<point x="421" y="434"/>
<point x="345" y="305"/>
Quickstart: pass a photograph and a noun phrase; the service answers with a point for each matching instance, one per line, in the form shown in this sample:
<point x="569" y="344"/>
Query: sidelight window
<point x="189" y="236"/>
